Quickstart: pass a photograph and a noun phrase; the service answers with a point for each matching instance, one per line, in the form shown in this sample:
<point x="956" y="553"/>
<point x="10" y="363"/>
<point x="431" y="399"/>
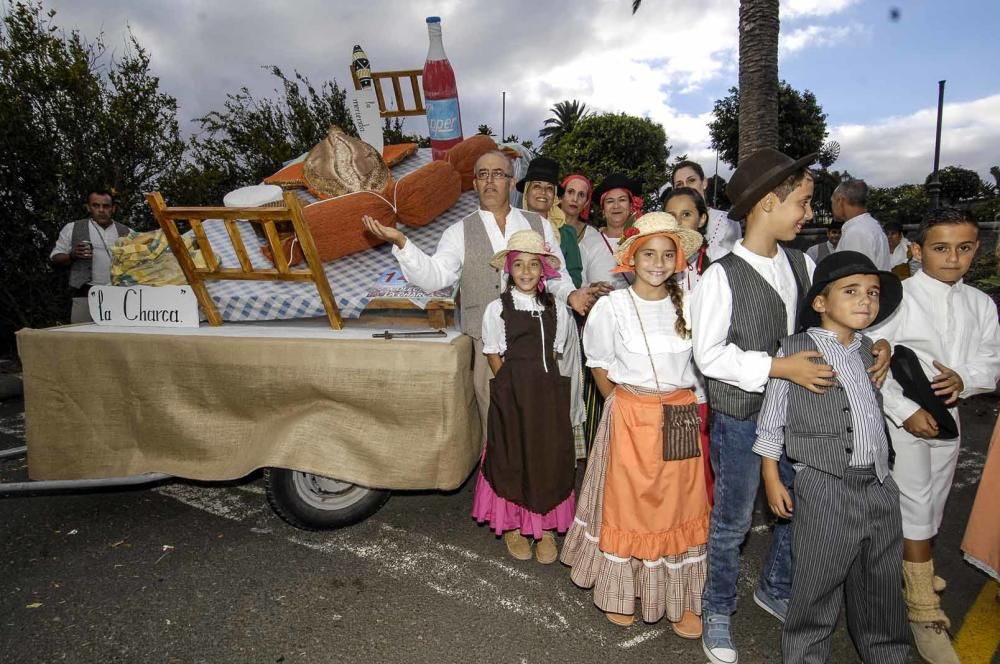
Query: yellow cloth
<point x="145" y="259"/>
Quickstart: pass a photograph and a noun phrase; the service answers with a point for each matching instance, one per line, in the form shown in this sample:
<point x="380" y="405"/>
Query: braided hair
<point x="676" y="294"/>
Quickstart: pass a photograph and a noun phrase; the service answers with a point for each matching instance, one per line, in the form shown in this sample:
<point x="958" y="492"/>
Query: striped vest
<point x="758" y="323"/>
<point x="818" y="427"/>
<point x="480" y="282"/>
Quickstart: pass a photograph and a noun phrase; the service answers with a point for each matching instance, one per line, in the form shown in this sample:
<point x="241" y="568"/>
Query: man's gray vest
<point x="81" y="269"/>
<point x="480" y="282"/>
<point x="818" y="427"/>
<point x="823" y="250"/>
<point x="758" y="323"/>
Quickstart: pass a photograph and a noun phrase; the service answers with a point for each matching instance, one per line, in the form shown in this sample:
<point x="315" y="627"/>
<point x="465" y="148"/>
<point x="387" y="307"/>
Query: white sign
<point x="144" y="306"/>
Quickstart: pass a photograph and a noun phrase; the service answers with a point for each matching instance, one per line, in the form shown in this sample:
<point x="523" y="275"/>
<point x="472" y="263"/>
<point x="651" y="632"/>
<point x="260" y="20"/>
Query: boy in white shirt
<point x="952" y="329"/>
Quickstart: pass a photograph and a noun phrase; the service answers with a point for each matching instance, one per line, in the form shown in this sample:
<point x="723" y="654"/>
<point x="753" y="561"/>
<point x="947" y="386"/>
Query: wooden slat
<point x="274" y="241"/>
<point x="236" y="274"/>
<point x="312" y="260"/>
<point x="417" y="96"/>
<point x="379" y="96"/>
<point x="398" y="92"/>
<point x="206" y="248"/>
<point x="241" y="250"/>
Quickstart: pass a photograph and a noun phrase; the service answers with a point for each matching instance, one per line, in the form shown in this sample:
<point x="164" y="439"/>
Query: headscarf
<point x="585" y="211"/>
<point x="680" y="263"/>
<point x="548" y="272"/>
<point x="635" y="202"/>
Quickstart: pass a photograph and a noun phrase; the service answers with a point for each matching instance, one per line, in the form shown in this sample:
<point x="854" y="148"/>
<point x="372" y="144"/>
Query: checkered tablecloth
<point x="350" y="277"/>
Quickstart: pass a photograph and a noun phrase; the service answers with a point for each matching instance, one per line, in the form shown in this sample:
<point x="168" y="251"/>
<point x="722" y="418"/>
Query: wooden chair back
<point x="267" y="219"/>
<point x="397" y="89"/>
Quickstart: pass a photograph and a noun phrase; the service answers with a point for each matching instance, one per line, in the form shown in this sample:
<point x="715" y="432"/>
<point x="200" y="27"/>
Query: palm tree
<point x="759" y="26"/>
<point x="567" y="114"/>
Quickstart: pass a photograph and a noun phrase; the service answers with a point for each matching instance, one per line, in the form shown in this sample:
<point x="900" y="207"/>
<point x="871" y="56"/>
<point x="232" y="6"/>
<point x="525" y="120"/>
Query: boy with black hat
<point x="745" y="303"/>
<point x="847" y="533"/>
<point x="946" y="342"/>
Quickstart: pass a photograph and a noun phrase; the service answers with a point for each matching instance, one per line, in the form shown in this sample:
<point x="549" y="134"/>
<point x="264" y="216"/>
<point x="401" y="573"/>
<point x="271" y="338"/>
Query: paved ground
<point x="207" y="573"/>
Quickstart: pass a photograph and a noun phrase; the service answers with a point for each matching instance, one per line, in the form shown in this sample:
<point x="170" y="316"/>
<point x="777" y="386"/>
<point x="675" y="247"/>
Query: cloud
<point x="813" y="36"/>
<point x="900" y="149"/>
<point x="792" y="9"/>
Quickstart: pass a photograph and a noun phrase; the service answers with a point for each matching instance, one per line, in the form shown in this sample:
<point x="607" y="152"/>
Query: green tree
<point x="251" y="138"/>
<point x="603" y="144"/>
<point x="566" y="115"/>
<point x="72" y="118"/>
<point x="958" y="184"/>
<point x="393" y="134"/>
<point x="485" y="130"/>
<point x="801" y="124"/>
<point x="906" y="203"/>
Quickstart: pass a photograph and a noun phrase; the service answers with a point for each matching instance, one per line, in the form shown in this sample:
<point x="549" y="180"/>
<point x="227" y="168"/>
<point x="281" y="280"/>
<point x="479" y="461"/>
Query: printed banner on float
<point x="143" y="306"/>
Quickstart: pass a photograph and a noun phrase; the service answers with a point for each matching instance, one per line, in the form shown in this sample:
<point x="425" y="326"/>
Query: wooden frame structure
<point x="396" y="76"/>
<point x="266" y="218"/>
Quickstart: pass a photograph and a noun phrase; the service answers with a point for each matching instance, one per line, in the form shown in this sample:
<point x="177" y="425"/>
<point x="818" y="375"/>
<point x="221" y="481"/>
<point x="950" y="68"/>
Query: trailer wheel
<point x="314" y="502"/>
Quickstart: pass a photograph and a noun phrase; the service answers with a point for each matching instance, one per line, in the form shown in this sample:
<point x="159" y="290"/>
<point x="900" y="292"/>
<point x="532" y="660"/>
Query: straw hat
<point x="657" y="223"/>
<point x="528" y="242"/>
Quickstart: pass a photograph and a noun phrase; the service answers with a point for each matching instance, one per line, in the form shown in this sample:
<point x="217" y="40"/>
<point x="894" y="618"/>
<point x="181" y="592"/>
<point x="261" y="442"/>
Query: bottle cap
<point x="433" y="19"/>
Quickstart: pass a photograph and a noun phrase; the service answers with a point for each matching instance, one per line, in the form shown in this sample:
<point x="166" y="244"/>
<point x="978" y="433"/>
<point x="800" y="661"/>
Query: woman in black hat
<point x="540" y="186"/>
<point x="619" y="200"/>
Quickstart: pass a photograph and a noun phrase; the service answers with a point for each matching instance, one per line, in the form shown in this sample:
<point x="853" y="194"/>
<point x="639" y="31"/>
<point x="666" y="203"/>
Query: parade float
<point x="278" y="335"/>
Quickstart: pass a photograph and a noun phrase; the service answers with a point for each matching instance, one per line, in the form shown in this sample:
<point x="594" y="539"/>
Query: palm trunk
<point x="759" y="26"/>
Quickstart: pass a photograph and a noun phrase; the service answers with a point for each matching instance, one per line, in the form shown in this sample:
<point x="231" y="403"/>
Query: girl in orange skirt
<point x="981" y="544"/>
<point x="641" y="524"/>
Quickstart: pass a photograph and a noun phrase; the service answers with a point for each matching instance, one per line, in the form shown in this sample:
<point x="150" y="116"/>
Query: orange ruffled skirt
<point x="641" y="526"/>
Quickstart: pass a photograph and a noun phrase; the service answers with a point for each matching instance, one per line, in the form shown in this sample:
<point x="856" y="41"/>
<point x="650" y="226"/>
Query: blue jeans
<point x="737" y="477"/>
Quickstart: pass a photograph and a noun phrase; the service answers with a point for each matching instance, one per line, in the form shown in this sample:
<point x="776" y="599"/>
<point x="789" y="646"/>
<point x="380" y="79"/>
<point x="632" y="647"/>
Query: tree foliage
<point x="251" y="137"/>
<point x="614" y="143"/>
<point x="72" y="118"/>
<point x="566" y="115"/>
<point x="958" y="184"/>
<point x="906" y="203"/>
<point x="801" y="124"/>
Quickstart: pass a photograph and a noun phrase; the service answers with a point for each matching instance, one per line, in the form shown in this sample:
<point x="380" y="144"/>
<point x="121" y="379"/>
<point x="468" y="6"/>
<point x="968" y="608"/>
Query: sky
<point x="875" y="75"/>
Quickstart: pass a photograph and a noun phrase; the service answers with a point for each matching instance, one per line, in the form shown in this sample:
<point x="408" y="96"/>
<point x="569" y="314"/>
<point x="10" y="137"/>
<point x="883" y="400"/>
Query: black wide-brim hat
<point x="842" y="264"/>
<point x="909" y="373"/>
<point x="542" y="169"/>
<point x="617" y="181"/>
<point x="758" y="175"/>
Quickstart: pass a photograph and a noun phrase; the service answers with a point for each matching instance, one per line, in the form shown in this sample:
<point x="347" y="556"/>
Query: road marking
<point x="13" y="425"/>
<point x="979" y="639"/>
<point x="640" y="638"/>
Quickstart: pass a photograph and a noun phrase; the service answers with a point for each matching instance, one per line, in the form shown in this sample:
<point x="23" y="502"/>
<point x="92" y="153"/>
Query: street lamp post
<point x="934" y="186"/>
<point x="503" y="115"/>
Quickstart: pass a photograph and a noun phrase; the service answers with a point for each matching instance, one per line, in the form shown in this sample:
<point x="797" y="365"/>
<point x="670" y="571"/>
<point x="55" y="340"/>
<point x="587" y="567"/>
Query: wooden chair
<point x="264" y="217"/>
<point x="397" y="90"/>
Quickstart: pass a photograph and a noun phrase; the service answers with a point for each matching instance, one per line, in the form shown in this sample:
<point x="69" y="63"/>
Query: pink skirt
<point x="504" y="515"/>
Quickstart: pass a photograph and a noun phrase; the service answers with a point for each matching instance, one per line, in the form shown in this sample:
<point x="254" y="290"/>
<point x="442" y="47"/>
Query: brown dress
<point x="530" y="455"/>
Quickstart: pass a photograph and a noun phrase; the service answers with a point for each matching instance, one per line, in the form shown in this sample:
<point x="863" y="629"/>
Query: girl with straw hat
<point x="525" y="487"/>
<point x="641" y="526"/>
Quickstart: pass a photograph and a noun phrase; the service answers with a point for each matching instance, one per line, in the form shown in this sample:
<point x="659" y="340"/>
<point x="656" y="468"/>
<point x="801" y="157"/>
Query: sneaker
<point x="546" y="551"/>
<point x="517" y="544"/>
<point x="776" y="607"/>
<point x="933" y="642"/>
<point x="717" y="640"/>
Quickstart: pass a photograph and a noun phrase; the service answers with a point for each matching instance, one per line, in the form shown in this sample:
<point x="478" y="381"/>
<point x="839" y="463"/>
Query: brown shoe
<point x="517" y="544"/>
<point x="688" y="627"/>
<point x="620" y="619"/>
<point x="546" y="551"/>
<point x="933" y="643"/>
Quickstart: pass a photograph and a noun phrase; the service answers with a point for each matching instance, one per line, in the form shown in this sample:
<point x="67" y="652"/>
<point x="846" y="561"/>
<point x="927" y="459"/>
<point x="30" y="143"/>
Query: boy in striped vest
<point x="847" y="536"/>
<point x="745" y="303"/>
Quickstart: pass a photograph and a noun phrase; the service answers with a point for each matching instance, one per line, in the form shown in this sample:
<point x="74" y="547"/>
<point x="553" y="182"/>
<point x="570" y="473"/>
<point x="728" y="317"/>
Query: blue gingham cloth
<point x="350" y="277"/>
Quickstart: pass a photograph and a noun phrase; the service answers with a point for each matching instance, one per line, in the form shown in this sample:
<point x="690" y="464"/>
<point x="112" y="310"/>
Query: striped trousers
<point x="847" y="540"/>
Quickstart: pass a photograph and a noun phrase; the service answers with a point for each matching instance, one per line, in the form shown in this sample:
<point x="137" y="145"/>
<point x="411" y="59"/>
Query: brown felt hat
<point x="758" y="175"/>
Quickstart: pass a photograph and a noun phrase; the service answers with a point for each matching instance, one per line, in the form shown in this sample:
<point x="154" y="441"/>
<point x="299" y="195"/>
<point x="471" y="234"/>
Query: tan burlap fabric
<point x="395" y="415"/>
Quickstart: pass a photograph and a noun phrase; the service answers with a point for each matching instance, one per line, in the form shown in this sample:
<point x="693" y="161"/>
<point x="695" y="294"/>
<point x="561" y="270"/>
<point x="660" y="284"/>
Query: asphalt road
<point x="187" y="572"/>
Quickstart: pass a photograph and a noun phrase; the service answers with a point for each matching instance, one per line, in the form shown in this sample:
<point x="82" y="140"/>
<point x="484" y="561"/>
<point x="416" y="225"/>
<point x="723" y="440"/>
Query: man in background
<point x="861" y="232"/>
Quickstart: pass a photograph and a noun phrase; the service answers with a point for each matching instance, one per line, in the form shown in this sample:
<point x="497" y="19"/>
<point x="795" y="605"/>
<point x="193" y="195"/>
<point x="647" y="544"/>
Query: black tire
<point x="314" y="502"/>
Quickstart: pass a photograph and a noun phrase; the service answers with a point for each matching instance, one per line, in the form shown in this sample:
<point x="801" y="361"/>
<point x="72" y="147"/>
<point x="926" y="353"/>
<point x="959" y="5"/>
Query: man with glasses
<point x="85" y="247"/>
<point x="464" y="252"/>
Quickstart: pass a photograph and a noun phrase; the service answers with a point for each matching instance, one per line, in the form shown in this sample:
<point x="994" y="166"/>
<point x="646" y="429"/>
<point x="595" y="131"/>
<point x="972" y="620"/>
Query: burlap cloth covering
<point x="394" y="415"/>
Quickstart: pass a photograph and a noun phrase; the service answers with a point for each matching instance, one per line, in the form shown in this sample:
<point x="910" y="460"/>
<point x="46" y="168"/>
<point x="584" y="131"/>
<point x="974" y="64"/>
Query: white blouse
<point x="613" y="340"/>
<point x="495" y="332"/>
<point x="599" y="259"/>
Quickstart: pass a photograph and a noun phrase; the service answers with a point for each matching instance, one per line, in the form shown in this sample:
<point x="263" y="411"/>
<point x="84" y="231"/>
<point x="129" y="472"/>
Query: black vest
<point x="758" y="323"/>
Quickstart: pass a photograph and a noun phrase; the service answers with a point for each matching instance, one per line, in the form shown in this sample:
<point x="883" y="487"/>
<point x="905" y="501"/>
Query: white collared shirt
<point x="721" y="234"/>
<point x="712" y="309"/>
<point x="613" y="340"/>
<point x="865" y="235"/>
<point x="955" y="325"/>
<point x="101" y="241"/>
<point x="444" y="268"/>
<point x="597" y="252"/>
